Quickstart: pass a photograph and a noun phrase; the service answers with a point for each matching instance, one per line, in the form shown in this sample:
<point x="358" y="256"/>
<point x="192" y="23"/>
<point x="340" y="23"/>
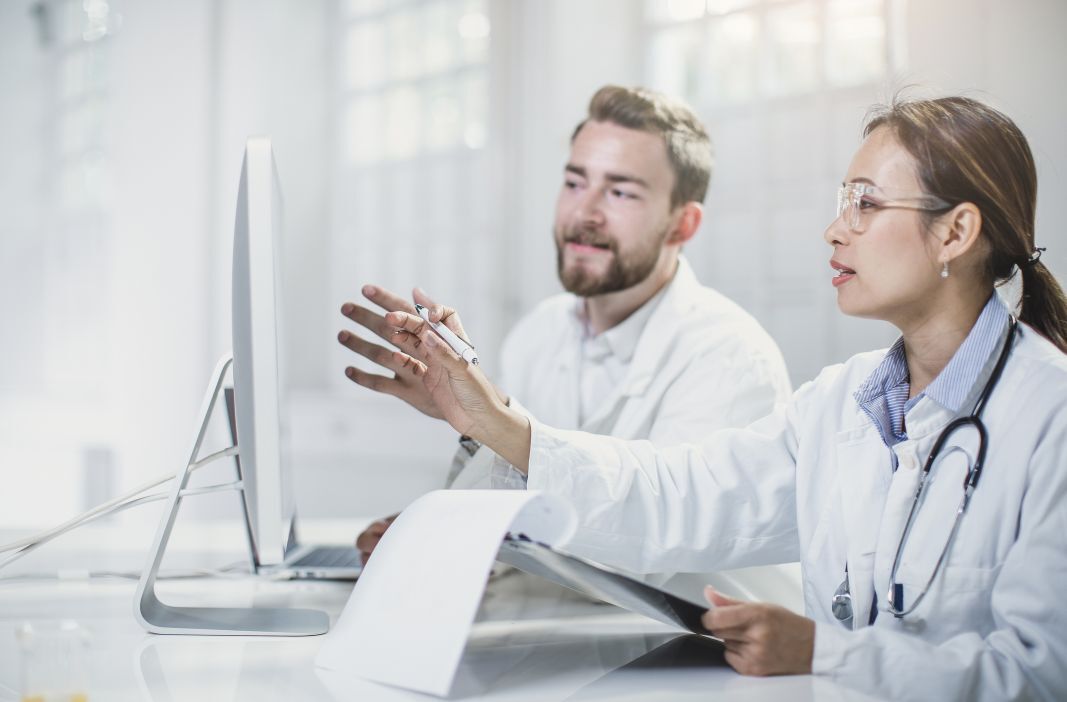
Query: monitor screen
<point x="258" y="361"/>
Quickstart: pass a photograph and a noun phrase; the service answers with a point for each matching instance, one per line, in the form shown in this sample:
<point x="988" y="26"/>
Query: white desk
<point x="531" y="641"/>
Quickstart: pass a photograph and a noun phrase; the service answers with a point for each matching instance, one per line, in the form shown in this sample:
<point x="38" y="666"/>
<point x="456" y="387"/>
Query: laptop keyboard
<point x="329" y="557"/>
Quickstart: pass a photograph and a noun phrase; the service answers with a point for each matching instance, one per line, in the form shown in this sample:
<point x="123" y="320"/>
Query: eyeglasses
<point x="854" y="200"/>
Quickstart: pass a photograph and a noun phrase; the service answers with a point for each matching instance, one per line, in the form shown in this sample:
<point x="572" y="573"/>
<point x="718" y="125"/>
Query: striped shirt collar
<point x="884" y="395"/>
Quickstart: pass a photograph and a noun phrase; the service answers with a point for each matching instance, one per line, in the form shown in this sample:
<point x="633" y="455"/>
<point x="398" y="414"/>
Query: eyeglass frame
<point x="850" y="198"/>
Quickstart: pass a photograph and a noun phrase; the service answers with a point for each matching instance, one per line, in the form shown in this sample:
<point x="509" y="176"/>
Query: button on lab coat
<point x="814" y="481"/>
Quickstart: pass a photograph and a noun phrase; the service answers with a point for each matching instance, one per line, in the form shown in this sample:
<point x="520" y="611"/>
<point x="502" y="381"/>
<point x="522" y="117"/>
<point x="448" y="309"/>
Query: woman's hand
<point x="462" y="393"/>
<point x="406" y="382"/>
<point x="761" y="639"/>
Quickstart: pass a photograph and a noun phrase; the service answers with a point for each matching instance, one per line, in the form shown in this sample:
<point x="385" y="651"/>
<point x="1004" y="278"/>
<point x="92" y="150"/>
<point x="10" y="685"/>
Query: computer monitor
<point x="257" y="365"/>
<point x="258" y="357"/>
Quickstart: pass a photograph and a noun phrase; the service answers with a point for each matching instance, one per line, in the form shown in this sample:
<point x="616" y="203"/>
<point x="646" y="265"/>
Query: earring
<point x="944" y="270"/>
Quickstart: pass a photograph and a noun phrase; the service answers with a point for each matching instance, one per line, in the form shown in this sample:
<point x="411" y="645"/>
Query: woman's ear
<point x="960" y="232"/>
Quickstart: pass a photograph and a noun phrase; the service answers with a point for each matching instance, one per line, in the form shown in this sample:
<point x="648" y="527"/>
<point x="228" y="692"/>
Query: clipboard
<point x="602" y="583"/>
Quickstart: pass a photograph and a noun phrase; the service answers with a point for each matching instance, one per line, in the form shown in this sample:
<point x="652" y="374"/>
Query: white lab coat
<point x="814" y="480"/>
<point x="702" y="363"/>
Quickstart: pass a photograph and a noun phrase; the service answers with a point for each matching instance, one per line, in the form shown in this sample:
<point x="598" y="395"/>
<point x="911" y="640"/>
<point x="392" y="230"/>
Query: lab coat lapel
<point x="651" y="351"/>
<point x="925" y="421"/>
<point x="864" y="472"/>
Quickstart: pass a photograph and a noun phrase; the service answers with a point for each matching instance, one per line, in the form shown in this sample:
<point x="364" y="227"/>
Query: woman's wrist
<point x="507" y="433"/>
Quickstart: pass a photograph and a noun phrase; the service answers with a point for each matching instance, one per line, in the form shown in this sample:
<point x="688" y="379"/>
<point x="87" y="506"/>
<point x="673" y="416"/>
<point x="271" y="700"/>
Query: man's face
<point x="613" y="212"/>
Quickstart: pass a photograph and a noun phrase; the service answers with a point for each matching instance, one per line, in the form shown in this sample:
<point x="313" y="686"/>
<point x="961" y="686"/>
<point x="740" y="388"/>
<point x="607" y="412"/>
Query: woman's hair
<point x="966" y="151"/>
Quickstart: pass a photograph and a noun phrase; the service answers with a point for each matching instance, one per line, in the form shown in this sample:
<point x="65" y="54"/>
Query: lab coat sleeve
<point x="726" y="503"/>
<point x="1024" y="658"/>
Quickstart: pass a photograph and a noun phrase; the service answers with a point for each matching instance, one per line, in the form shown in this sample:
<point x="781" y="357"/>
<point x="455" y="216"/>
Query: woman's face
<point x="888" y="269"/>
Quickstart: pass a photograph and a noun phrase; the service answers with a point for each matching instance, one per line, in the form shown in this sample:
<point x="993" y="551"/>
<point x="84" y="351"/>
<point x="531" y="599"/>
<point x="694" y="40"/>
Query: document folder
<point x="601" y="582"/>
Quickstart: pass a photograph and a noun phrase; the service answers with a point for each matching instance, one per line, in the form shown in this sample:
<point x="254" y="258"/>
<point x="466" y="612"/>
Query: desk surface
<point x="531" y="640"/>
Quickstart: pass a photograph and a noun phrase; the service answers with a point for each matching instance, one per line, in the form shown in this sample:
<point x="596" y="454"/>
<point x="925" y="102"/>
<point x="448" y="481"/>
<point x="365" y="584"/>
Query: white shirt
<point x="815" y="481"/>
<point x="606" y="357"/>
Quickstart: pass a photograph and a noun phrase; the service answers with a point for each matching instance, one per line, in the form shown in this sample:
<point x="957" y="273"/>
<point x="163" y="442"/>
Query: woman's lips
<point x="844" y="274"/>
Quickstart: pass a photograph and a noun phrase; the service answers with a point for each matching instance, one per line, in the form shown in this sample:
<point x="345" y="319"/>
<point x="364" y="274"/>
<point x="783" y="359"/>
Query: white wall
<point x="191" y="80"/>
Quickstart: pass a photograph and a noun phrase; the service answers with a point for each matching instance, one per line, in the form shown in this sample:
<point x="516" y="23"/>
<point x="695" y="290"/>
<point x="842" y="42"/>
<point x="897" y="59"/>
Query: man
<point x="636" y="348"/>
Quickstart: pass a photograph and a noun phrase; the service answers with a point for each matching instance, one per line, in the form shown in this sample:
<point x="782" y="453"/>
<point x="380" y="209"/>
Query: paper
<point x="407" y="621"/>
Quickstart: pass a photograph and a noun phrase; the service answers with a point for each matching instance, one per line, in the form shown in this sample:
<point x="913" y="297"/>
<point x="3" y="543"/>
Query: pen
<point x="458" y="345"/>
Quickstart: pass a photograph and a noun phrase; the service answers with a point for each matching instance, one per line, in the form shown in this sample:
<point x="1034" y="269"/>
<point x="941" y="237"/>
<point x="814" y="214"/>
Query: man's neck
<point x="606" y="311"/>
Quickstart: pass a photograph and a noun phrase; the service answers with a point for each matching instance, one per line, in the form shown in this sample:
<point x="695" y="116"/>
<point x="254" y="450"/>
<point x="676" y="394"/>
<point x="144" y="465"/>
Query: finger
<point x="730" y="617"/>
<point x="735" y="633"/>
<point x="717" y="599"/>
<point x="377" y="383"/>
<point x="369" y="320"/>
<point x="370" y="537"/>
<point x="407" y="364"/>
<point x="380" y="355"/>
<point x="387" y="300"/>
<point x="440" y="313"/>
<point x="437" y="351"/>
<point x="736" y="660"/>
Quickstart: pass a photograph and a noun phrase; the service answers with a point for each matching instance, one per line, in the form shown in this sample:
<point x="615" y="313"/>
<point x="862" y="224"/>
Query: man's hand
<point x="368" y="540"/>
<point x="406" y="382"/>
<point x="761" y="639"/>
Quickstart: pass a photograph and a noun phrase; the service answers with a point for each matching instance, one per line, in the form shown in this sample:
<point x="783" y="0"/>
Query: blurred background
<point x="419" y="142"/>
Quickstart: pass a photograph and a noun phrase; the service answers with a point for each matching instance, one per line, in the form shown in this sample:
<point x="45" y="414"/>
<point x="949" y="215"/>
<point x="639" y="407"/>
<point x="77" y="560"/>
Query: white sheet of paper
<point x="407" y="621"/>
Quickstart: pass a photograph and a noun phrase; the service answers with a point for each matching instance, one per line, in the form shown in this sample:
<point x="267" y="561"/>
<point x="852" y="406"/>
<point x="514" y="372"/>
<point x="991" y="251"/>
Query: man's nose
<point x="589" y="211"/>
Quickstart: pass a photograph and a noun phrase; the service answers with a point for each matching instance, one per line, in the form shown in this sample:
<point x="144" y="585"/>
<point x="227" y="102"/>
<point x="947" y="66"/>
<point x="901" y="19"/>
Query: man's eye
<point x="570" y="184"/>
<point x="623" y="195"/>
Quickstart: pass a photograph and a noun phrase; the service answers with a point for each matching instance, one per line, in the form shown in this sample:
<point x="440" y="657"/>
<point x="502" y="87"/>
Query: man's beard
<point x="623" y="272"/>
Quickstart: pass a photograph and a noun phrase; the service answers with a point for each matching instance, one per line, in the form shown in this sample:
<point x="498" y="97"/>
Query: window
<point x="414" y="127"/>
<point x="783" y="86"/>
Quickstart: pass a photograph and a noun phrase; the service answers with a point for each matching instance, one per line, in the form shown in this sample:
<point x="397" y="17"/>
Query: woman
<point x="905" y="596"/>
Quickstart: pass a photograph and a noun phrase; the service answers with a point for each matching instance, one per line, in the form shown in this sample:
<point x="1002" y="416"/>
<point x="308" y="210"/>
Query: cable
<point x="108" y="507"/>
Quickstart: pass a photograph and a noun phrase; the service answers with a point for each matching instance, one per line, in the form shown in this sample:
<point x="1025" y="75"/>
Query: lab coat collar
<point x="660" y="330"/>
<point x="620" y="340"/>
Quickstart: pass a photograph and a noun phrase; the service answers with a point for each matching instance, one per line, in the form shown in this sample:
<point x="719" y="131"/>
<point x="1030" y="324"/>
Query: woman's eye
<point x="867" y="203"/>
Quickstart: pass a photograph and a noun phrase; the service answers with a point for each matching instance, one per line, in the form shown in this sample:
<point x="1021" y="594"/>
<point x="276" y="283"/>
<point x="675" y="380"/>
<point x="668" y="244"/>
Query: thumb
<point x="440" y="353"/>
<point x="717" y="599"/>
<point x="441" y="313"/>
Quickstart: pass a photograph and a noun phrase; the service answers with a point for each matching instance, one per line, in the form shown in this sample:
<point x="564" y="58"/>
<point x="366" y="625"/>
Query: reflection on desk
<point x="532" y="641"/>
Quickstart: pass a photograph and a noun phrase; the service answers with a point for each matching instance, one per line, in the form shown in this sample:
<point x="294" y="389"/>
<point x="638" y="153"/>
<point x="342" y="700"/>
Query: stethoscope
<point x="841" y="604"/>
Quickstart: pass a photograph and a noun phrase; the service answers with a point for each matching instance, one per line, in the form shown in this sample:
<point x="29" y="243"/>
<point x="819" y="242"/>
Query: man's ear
<point x="960" y="232"/>
<point x="688" y="221"/>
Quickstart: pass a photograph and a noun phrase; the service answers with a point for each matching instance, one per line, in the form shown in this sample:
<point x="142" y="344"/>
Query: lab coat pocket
<point x="959" y="599"/>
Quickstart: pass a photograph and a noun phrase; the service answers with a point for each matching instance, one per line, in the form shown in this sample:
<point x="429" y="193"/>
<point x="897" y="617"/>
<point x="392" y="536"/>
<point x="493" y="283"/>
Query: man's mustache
<point x="588" y="238"/>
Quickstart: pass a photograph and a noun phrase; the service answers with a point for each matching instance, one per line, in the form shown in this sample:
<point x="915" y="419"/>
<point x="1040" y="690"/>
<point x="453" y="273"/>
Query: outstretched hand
<point x="406" y="382"/>
<point x="459" y="390"/>
<point x="760" y="639"/>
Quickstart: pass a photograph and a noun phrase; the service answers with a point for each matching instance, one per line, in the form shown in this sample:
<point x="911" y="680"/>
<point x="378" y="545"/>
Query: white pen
<point x="458" y="345"/>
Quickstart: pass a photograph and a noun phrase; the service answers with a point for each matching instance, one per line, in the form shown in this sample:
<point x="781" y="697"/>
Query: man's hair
<point x="688" y="144"/>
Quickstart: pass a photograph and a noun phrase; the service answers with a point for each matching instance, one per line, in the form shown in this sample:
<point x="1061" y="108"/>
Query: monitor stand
<point x="160" y="618"/>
